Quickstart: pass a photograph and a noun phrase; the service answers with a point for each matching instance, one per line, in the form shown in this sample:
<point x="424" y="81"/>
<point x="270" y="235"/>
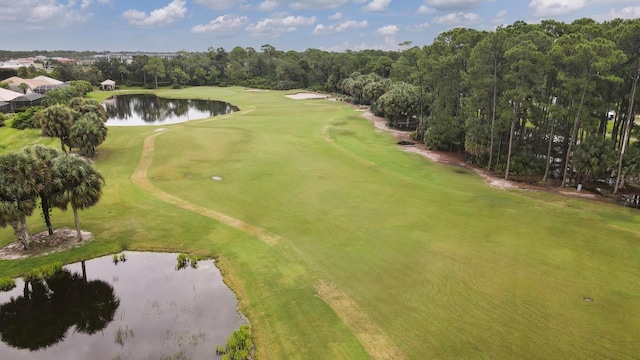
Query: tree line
<point x="523" y="99"/>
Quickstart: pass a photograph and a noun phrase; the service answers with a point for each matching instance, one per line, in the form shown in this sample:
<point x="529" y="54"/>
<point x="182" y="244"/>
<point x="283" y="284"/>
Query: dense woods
<point x="547" y="99"/>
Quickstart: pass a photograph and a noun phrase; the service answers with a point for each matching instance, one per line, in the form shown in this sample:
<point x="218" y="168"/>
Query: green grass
<point x="440" y="263"/>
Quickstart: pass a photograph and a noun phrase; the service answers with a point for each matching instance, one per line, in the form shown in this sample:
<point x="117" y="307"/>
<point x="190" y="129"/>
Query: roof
<point x="8" y="95"/>
<point x="49" y="87"/>
<point x="108" y="82"/>
<point x="32" y="83"/>
<point x="49" y="80"/>
<point x="28" y="97"/>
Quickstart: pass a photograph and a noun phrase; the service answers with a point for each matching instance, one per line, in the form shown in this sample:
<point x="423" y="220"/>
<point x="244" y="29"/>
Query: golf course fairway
<point x="339" y="245"/>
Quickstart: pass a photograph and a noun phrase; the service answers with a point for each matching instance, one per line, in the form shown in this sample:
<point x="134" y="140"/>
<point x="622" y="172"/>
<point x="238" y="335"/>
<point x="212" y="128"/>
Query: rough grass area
<point x="340" y="245"/>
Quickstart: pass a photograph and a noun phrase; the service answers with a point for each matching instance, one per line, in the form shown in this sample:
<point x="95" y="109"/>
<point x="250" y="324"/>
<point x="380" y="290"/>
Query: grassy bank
<point x="340" y="245"/>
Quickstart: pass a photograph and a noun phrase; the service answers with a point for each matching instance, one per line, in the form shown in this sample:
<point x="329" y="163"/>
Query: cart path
<point x="375" y="342"/>
<point x="139" y="177"/>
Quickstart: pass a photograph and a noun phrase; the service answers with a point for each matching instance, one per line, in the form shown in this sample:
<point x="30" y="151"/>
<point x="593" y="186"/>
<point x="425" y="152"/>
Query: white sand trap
<point x="257" y="90"/>
<point x="156" y="130"/>
<point x="216" y="178"/>
<point x="306" y="96"/>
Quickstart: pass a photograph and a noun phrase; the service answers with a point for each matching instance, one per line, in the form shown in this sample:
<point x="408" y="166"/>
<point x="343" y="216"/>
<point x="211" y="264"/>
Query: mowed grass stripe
<point x="441" y="263"/>
<point x="139" y="177"/>
<point x="376" y="343"/>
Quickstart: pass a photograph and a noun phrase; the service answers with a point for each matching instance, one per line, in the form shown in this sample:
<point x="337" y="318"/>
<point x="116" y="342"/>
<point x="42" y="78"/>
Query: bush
<point x="239" y="345"/>
<point x="522" y="164"/>
<point x="43" y="272"/>
<point x="184" y="260"/>
<point x="6" y="284"/>
<point x="24" y="120"/>
<point x="3" y="117"/>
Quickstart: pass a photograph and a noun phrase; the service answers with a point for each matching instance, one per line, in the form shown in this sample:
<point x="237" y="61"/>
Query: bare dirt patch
<point x="458" y="159"/>
<point x="43" y="244"/>
<point x="377" y="344"/>
<point x="306" y="96"/>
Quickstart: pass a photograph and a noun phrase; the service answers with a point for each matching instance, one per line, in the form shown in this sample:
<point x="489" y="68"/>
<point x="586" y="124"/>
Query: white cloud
<point x="552" y="8"/>
<point x="419" y="27"/>
<point x="50" y="14"/>
<point x="630" y="12"/>
<point x="219" y="4"/>
<point x="341" y="27"/>
<point x="387" y="30"/>
<point x="282" y="23"/>
<point x="425" y="10"/>
<point x="336" y="16"/>
<point x="451" y="4"/>
<point x="377" y="5"/>
<point x="317" y="4"/>
<point x="268" y="5"/>
<point x="176" y="10"/>
<point x="388" y="43"/>
<point x="222" y="24"/>
<point x="500" y="17"/>
<point x="84" y="4"/>
<point x="609" y="2"/>
<point x="456" y="19"/>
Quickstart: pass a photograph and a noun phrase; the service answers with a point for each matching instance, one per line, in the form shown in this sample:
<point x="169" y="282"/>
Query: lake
<point x="141" y="308"/>
<point x="148" y="109"/>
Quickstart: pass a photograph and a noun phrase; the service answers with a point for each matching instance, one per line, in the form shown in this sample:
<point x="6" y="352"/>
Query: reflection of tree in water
<point x="151" y="108"/>
<point x="48" y="308"/>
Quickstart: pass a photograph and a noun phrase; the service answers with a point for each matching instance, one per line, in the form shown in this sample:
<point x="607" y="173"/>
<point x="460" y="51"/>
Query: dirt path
<point x="458" y="160"/>
<point x="376" y="343"/>
<point x="371" y="337"/>
<point x="139" y="177"/>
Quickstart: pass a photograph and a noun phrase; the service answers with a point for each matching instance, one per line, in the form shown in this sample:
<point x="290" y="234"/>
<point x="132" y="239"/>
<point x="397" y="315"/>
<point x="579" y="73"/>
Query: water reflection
<point x="148" y="109"/>
<point x="48" y="308"/>
<point x="141" y="308"/>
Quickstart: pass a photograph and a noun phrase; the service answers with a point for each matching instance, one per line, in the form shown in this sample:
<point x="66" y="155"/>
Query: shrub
<point x="239" y="345"/>
<point x="24" y="120"/>
<point x="184" y="260"/>
<point x="43" y="272"/>
<point x="6" y="284"/>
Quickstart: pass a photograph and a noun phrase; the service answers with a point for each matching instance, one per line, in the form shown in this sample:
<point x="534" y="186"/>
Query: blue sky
<point x="333" y="25"/>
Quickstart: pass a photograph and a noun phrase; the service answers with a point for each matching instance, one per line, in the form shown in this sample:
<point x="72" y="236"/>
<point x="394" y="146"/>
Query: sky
<point x="331" y="25"/>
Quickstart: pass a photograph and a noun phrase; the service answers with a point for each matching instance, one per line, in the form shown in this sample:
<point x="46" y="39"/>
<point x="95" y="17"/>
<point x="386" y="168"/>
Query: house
<point x="8" y="96"/>
<point x="108" y="85"/>
<point x="15" y="83"/>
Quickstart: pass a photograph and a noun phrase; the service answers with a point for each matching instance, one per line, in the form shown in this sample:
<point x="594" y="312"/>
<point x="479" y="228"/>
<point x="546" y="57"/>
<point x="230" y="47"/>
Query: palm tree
<point x="56" y="121"/>
<point x="80" y="185"/>
<point x="23" y="87"/>
<point x="42" y="157"/>
<point x="18" y="192"/>
<point x="87" y="133"/>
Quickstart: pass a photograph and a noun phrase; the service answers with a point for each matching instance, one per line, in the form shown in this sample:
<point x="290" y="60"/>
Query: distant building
<point x="15" y="83"/>
<point x="18" y="63"/>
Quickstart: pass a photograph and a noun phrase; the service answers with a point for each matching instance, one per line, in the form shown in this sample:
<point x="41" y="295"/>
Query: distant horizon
<point x="329" y="25"/>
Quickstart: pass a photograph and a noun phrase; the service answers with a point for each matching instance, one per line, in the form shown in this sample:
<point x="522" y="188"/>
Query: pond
<point x="141" y="308"/>
<point x="148" y="109"/>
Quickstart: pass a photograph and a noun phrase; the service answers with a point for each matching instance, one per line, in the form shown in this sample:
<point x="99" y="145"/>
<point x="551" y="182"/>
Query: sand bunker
<point x="306" y="96"/>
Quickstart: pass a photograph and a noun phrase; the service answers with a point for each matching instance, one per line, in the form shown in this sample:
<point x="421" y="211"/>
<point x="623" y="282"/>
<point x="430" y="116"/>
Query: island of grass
<point x="340" y="245"/>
